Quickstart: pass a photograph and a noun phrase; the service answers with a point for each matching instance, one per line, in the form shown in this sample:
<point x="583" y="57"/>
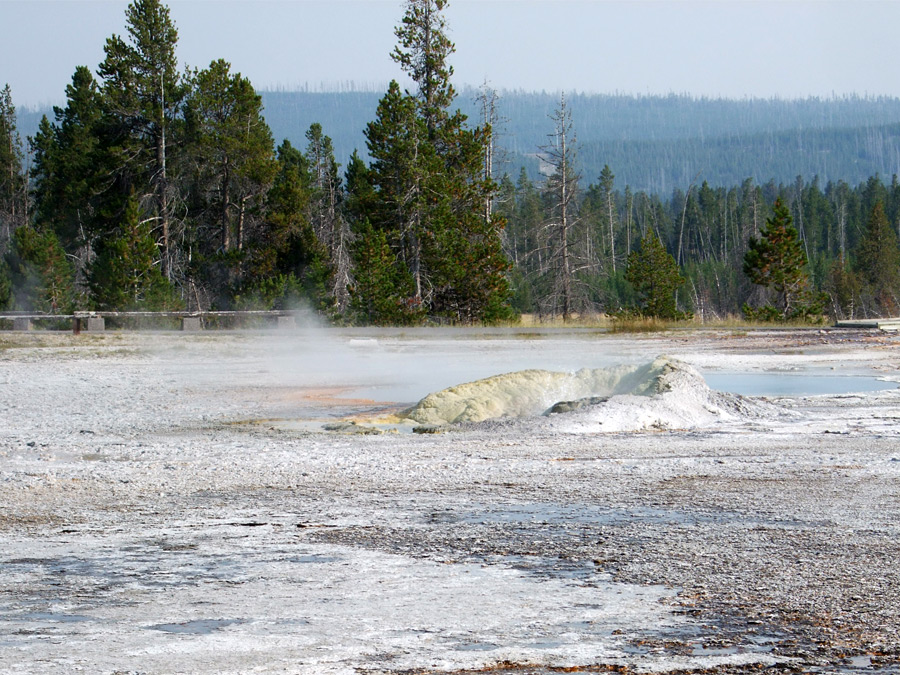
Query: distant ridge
<point x="652" y="143"/>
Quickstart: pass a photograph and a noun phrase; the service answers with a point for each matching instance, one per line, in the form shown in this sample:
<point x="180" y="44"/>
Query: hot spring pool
<point x="794" y="384"/>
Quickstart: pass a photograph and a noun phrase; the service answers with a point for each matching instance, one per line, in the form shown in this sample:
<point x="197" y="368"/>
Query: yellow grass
<point x="647" y="325"/>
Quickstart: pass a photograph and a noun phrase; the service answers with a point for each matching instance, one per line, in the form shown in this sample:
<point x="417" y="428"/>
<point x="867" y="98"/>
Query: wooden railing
<point x="189" y="321"/>
<point x="882" y="324"/>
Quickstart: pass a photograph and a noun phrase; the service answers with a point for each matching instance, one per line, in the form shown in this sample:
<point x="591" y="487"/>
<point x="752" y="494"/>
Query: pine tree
<point x="360" y="198"/>
<point x="469" y="254"/>
<point x="428" y="188"/>
<point x="287" y="223"/>
<point x="878" y="263"/>
<point x="126" y="274"/>
<point x="13" y="195"/>
<point x="69" y="175"/>
<point x="655" y="275"/>
<point x="142" y="93"/>
<point x="422" y="53"/>
<point x="43" y="278"/>
<point x="289" y="249"/>
<point x="232" y="157"/>
<point x="607" y="189"/>
<point x="402" y="162"/>
<point x="381" y="293"/>
<point x="777" y="261"/>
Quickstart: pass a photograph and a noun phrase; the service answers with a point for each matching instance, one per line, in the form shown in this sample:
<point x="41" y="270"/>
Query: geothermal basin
<point x="175" y="503"/>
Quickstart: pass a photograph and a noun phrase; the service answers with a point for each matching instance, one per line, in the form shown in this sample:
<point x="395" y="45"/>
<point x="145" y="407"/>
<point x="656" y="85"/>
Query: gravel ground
<point x="170" y="504"/>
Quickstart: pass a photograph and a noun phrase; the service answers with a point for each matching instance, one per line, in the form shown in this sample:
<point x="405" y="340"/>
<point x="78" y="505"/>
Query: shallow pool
<point x="794" y="384"/>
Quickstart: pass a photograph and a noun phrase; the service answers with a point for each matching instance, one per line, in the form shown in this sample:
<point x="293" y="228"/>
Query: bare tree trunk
<point x="564" y="235"/>
<point x="798" y="186"/>
<point x="415" y="244"/>
<point x="566" y="192"/>
<point x="610" y="207"/>
<point x="629" y="209"/>
<point x="223" y="215"/>
<point x="9" y="224"/>
<point x="163" y="186"/>
<point x="683" y="216"/>
<point x="489" y="119"/>
<point x="342" y="266"/>
<point x="242" y="212"/>
<point x="842" y="223"/>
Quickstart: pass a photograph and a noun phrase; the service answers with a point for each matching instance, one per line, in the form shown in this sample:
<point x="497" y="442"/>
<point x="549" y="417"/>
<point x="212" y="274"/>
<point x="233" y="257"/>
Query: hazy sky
<point x="732" y="48"/>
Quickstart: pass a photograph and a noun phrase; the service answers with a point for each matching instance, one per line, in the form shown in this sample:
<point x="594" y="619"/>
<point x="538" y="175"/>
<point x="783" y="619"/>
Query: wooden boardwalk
<point x="880" y="324"/>
<point x="189" y="321"/>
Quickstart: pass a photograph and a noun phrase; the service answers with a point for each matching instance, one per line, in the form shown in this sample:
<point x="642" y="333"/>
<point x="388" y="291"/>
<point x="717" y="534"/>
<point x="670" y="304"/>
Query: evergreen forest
<point x="161" y="188"/>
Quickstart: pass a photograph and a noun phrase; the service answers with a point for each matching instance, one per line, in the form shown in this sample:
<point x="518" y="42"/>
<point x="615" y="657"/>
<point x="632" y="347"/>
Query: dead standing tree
<point x="327" y="216"/>
<point x="491" y="121"/>
<point x="562" y="293"/>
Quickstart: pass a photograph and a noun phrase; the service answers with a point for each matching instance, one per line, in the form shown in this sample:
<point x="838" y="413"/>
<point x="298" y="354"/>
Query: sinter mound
<point x="664" y="393"/>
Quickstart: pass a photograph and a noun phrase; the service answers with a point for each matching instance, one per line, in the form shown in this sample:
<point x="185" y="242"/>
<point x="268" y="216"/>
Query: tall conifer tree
<point x="607" y="187"/>
<point x="142" y="94"/>
<point x="232" y="156"/>
<point x="655" y="276"/>
<point x="422" y="52"/>
<point x="67" y="172"/>
<point x="42" y="275"/>
<point x="13" y="196"/>
<point x="878" y="263"/>
<point x="429" y="188"/>
<point x="126" y="274"/>
<point x="777" y="261"/>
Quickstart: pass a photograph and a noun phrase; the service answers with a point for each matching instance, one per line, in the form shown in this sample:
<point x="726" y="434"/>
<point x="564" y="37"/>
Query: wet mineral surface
<point x="174" y="503"/>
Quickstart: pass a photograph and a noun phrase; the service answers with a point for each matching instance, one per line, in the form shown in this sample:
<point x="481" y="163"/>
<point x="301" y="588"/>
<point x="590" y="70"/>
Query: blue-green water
<point x="794" y="384"/>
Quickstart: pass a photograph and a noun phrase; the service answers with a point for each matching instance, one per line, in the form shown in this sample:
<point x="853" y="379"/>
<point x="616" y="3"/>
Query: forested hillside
<point x="653" y="143"/>
<point x="850" y="154"/>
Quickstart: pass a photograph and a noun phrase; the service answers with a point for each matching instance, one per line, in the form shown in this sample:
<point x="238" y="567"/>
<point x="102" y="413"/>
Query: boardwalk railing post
<point x="285" y="322"/>
<point x="191" y="323"/>
<point x="95" y="324"/>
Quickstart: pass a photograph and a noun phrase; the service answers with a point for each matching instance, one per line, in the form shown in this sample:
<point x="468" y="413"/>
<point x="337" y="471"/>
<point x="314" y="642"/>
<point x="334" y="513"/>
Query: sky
<point x="721" y="48"/>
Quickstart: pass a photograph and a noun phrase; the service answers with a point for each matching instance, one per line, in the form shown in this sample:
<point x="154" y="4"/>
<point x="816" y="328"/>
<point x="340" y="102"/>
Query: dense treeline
<point x="708" y="233"/>
<point x="155" y="188"/>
